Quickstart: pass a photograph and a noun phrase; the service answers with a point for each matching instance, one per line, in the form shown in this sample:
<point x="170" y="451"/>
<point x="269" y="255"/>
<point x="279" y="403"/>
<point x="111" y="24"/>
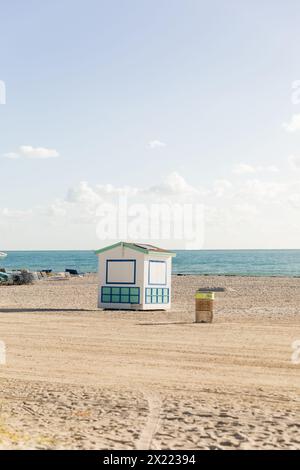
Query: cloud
<point x="11" y="155"/>
<point x="84" y="194"/>
<point x="16" y="214"/>
<point x="221" y="187"/>
<point x="27" y="151"/>
<point x="154" y="144"/>
<point x="294" y="162"/>
<point x="294" y="200"/>
<point x="85" y="199"/>
<point x="244" y="168"/>
<point x="173" y="184"/>
<point x="251" y="212"/>
<point x="293" y="125"/>
<point x="38" y="152"/>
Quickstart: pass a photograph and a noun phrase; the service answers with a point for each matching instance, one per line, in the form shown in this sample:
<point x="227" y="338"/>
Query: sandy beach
<point x="80" y="378"/>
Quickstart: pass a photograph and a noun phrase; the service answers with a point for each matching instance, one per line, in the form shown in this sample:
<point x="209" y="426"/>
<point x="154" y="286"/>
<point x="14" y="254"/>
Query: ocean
<point x="229" y="262"/>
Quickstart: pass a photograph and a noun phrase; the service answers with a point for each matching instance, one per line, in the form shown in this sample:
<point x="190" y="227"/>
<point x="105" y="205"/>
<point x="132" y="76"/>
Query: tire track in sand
<point x="151" y="426"/>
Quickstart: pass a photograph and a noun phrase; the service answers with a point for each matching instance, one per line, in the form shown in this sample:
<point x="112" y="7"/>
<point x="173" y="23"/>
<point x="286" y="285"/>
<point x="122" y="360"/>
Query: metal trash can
<point x="204" y="307"/>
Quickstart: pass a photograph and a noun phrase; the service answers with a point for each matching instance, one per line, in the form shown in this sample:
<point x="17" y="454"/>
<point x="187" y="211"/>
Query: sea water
<point x="229" y="262"/>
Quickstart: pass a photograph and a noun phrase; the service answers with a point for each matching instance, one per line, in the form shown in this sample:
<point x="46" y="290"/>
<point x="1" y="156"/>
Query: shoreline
<point x="178" y="274"/>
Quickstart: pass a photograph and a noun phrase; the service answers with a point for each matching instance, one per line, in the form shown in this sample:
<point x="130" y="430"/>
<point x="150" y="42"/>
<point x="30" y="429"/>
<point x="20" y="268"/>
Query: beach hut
<point x="134" y="276"/>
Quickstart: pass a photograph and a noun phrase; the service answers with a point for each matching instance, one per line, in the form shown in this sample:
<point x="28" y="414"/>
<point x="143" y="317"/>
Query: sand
<point x="80" y="378"/>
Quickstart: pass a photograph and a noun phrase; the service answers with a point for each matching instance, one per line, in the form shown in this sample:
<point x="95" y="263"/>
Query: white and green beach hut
<point x="134" y="276"/>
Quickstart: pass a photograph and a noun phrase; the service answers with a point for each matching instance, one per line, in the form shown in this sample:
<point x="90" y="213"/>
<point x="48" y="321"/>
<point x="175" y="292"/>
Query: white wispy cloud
<point x="294" y="162"/>
<point x="28" y="151"/>
<point x="154" y="144"/>
<point x="245" y="168"/>
<point x="173" y="185"/>
<point x="85" y="199"/>
<point x="16" y="214"/>
<point x="293" y="125"/>
<point x="11" y="155"/>
<point x="238" y="212"/>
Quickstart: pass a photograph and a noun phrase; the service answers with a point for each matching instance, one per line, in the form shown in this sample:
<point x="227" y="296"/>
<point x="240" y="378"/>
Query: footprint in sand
<point x="146" y="437"/>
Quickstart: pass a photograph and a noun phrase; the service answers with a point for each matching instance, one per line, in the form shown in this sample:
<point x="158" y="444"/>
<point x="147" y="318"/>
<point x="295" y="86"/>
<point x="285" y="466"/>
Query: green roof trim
<point x="97" y="252"/>
<point x="137" y="247"/>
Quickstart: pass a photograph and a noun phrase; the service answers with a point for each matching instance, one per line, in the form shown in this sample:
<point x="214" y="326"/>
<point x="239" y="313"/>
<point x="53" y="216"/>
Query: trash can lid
<point x="205" y="295"/>
<point x="211" y="289"/>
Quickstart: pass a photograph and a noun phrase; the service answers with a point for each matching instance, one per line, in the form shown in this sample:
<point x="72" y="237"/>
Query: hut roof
<point x="141" y="247"/>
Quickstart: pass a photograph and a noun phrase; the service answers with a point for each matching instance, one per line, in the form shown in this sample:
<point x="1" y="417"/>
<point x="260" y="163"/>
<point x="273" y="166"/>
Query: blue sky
<point x="97" y="81"/>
